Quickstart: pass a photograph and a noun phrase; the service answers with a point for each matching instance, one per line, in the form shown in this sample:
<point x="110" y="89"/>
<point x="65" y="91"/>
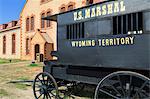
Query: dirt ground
<point x="17" y="71"/>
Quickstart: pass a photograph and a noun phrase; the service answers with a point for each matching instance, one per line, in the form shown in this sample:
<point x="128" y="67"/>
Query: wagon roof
<point x="54" y="17"/>
<point x="142" y="5"/>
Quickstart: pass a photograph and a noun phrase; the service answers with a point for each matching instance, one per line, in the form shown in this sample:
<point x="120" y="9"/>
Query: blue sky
<point x="10" y="10"/>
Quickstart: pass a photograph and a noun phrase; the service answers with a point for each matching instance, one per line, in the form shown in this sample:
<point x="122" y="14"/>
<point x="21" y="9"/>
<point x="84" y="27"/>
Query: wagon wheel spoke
<point x="48" y="95"/>
<point x="108" y="94"/>
<point x="44" y="85"/>
<point x="47" y="81"/>
<point x="115" y="90"/>
<point x="37" y="85"/>
<point x="125" y="84"/>
<point x="43" y="79"/>
<point x="139" y="90"/>
<point x="121" y="85"/>
<point x="52" y="94"/>
<point x="49" y="89"/>
<point x="145" y="94"/>
<point x="39" y="96"/>
<point x="37" y="90"/>
<point x="40" y="80"/>
<point x="44" y="96"/>
<point x="130" y="82"/>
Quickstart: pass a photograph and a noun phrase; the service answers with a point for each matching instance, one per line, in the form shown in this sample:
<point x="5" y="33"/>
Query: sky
<point x="10" y="10"/>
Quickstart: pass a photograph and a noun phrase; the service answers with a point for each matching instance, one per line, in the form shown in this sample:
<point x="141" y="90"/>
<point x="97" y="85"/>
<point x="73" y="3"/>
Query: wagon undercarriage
<point x="115" y="85"/>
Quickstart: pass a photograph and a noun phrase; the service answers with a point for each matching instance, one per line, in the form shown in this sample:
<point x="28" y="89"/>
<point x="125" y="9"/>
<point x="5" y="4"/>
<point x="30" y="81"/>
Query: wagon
<point x="105" y="45"/>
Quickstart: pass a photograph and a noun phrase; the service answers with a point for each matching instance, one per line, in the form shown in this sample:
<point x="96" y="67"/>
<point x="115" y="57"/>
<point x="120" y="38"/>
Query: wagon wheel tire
<point x="123" y="85"/>
<point x="45" y="87"/>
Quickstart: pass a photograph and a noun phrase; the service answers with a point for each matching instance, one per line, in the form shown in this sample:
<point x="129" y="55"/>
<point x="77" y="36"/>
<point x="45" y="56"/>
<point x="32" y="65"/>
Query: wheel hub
<point x="43" y="89"/>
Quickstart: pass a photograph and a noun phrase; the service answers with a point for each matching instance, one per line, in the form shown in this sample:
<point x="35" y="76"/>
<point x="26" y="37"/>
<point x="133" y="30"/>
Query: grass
<point x="4" y="61"/>
<point x="3" y="92"/>
<point x="33" y="65"/>
<point x="21" y="86"/>
<point x="23" y="78"/>
<point x="17" y="72"/>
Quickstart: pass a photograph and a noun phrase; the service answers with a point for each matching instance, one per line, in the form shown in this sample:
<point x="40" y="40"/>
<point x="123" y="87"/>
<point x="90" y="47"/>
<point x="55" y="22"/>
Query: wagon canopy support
<point x="123" y="85"/>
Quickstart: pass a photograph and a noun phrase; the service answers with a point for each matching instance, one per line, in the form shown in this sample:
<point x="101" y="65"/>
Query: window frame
<point x="71" y="4"/>
<point x="27" y="24"/>
<point x="75" y="31"/>
<point x="89" y="2"/>
<point x="62" y="9"/>
<point x="27" y="46"/>
<point x="4" y="44"/>
<point x="32" y="23"/>
<point x="72" y="7"/>
<point x="42" y="21"/>
<point x="131" y="23"/>
<point x="48" y="22"/>
<point x="44" y="1"/>
<point x="62" y="6"/>
<point x="13" y="43"/>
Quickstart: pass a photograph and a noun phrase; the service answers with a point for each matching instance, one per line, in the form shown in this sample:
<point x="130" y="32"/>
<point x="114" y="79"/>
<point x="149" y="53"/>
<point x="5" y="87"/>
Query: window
<point x="13" y="44"/>
<point x="62" y="9"/>
<point x="42" y="21"/>
<point x="89" y="2"/>
<point x="32" y="23"/>
<point x="75" y="31"/>
<point x="70" y="7"/>
<point x="48" y="21"/>
<point x="4" y="45"/>
<point x="43" y="1"/>
<point x="27" y="24"/>
<point x="102" y="24"/>
<point x="14" y="23"/>
<point x="146" y="16"/>
<point x="131" y="23"/>
<point x="27" y="46"/>
<point x="5" y="26"/>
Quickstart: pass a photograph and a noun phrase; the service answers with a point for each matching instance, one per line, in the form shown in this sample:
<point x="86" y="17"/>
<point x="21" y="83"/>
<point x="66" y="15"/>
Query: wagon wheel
<point x="45" y="87"/>
<point x="123" y="85"/>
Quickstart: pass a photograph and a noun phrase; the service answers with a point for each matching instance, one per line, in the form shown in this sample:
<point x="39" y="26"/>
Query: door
<point x="36" y="50"/>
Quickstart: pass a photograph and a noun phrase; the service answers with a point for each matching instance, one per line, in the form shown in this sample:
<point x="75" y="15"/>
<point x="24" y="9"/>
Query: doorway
<point x="36" y="50"/>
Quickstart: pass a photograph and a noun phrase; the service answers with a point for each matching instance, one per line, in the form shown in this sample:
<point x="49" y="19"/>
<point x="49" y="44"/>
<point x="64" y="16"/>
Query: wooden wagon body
<point x="104" y="42"/>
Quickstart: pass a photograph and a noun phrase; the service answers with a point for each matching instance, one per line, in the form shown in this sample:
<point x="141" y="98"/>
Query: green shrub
<point x="33" y="65"/>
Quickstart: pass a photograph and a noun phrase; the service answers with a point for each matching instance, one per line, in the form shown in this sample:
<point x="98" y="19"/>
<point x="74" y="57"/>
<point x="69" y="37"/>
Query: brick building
<point x="10" y="40"/>
<point x="35" y="36"/>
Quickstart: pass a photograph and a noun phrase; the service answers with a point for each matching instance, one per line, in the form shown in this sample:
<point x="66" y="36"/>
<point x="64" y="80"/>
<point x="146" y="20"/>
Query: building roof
<point x="46" y="37"/>
<point x="10" y="26"/>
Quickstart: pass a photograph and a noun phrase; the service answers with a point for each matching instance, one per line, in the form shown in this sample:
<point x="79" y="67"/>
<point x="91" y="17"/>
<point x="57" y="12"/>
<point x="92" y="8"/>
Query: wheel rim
<point x="45" y="87"/>
<point x="123" y="85"/>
